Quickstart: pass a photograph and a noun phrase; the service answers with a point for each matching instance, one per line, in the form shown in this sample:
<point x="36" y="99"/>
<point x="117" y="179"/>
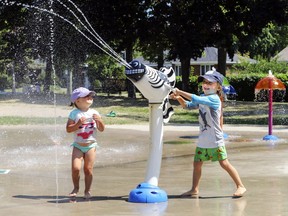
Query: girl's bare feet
<point x="87" y="195"/>
<point x="239" y="192"/>
<point x="74" y="192"/>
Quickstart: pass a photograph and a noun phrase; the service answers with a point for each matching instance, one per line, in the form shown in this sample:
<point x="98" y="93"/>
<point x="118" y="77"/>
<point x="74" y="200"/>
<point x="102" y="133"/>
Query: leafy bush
<point x="244" y="85"/>
<point x="244" y="78"/>
<point x="5" y="81"/>
<point x="261" y="67"/>
<point x="193" y="84"/>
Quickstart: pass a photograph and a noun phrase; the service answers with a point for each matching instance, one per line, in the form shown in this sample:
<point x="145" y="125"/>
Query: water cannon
<point x="154" y="84"/>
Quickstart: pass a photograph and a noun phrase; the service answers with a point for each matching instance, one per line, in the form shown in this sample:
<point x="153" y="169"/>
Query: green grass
<point x="136" y="111"/>
<point x="18" y="120"/>
<point x="125" y="115"/>
<point x="255" y="113"/>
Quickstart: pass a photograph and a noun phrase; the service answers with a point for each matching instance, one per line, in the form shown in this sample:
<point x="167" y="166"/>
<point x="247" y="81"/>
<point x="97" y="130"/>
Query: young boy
<point x="210" y="145"/>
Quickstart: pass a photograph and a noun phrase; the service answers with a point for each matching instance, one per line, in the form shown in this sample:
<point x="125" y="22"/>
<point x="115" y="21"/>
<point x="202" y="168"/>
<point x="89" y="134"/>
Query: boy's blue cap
<point x="212" y="76"/>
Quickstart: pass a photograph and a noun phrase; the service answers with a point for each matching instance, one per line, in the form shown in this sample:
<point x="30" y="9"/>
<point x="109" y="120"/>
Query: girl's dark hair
<point x="73" y="105"/>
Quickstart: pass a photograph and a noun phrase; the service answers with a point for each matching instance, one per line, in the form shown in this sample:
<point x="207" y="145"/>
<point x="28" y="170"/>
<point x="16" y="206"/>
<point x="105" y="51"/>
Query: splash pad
<point x="23" y="193"/>
<point x="35" y="193"/>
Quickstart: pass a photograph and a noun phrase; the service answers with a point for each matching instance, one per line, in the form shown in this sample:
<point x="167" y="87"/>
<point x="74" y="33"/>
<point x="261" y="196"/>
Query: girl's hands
<point x="99" y="122"/>
<point x="82" y="120"/>
<point x="72" y="126"/>
<point x="96" y="117"/>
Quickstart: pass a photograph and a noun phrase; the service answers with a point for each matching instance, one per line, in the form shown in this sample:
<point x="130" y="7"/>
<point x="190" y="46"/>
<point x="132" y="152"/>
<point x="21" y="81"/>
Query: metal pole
<point x="270" y="116"/>
<point x="156" y="144"/>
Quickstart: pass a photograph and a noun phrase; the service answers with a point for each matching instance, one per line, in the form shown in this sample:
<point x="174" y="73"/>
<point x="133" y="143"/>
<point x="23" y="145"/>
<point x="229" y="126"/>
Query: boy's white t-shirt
<point x="87" y="132"/>
<point x="210" y="111"/>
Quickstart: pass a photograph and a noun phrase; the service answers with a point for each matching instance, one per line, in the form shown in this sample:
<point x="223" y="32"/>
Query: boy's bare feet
<point x="74" y="192"/>
<point x="239" y="192"/>
<point x="190" y="193"/>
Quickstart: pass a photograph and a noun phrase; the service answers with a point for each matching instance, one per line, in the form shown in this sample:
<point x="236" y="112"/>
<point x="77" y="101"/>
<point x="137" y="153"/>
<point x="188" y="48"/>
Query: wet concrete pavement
<point x="262" y="165"/>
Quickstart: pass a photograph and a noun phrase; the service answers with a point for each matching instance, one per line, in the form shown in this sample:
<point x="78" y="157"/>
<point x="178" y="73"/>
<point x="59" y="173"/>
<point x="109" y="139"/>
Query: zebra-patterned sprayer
<point x="154" y="84"/>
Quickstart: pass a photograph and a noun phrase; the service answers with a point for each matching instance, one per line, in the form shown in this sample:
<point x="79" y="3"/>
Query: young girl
<point x="210" y="145"/>
<point x="84" y="122"/>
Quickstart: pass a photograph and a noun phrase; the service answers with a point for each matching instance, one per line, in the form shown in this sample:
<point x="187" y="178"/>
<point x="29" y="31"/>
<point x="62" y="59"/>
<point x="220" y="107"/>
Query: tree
<point x="272" y="39"/>
<point x="182" y="27"/>
<point x="40" y="27"/>
<point x="238" y="22"/>
<point x="14" y="49"/>
<point x="101" y="67"/>
<point x="227" y="25"/>
<point x="119" y="23"/>
<point x="55" y="38"/>
<point x="49" y="35"/>
<point x="189" y="28"/>
<point x="153" y="39"/>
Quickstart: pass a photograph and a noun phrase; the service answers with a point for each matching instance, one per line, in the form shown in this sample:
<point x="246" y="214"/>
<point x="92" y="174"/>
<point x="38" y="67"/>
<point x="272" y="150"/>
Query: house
<point x="282" y="56"/>
<point x="201" y="65"/>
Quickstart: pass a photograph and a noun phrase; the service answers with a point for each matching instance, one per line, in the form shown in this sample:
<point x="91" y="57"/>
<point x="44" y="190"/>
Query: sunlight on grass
<point x="17" y="120"/>
<point x="136" y="111"/>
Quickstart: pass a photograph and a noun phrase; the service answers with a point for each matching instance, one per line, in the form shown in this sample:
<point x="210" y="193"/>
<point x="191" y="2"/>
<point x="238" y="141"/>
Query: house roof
<point x="282" y="56"/>
<point x="209" y="57"/>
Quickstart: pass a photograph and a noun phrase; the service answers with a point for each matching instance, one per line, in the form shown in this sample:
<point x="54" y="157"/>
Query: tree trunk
<point x="77" y="76"/>
<point x="48" y="79"/>
<point x="185" y="66"/>
<point x="222" y="53"/>
<point x="160" y="60"/>
<point x="13" y="78"/>
<point x="69" y="81"/>
<point x="129" y="84"/>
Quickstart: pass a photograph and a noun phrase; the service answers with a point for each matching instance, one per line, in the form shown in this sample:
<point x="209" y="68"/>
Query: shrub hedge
<point x="244" y="85"/>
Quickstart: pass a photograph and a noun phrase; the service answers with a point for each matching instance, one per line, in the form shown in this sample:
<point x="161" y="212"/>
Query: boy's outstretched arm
<point x="181" y="100"/>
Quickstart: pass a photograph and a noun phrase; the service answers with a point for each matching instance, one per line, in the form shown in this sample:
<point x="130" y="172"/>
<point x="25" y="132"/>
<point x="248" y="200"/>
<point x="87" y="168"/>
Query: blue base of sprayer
<point x="270" y="137"/>
<point x="225" y="136"/>
<point x="147" y="193"/>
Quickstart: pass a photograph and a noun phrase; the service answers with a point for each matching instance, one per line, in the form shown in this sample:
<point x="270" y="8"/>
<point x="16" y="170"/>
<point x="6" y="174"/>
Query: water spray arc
<point x="95" y="39"/>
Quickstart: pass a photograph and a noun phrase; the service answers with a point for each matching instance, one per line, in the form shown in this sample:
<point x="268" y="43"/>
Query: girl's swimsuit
<point x="84" y="149"/>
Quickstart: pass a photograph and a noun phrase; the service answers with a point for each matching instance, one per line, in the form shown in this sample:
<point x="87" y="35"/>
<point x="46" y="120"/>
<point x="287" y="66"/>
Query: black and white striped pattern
<point x="168" y="110"/>
<point x="165" y="76"/>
